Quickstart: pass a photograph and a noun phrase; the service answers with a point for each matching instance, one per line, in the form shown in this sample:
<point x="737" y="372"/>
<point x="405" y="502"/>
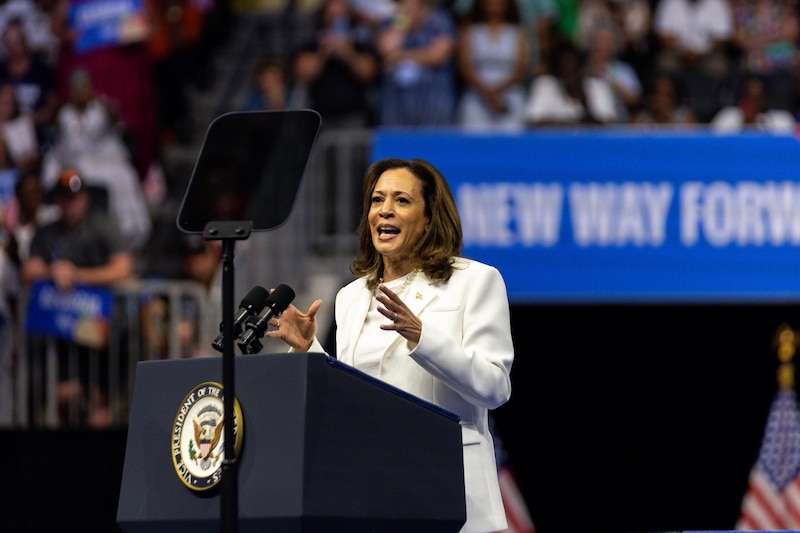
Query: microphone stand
<point x="228" y="232"/>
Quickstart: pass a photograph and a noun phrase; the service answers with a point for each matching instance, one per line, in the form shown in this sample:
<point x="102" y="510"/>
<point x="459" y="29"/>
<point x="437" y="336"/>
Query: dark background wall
<point x="639" y="418"/>
<point x="623" y="419"/>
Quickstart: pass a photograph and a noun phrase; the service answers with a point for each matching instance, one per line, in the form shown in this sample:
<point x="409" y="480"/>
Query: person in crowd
<point x="271" y="89"/>
<point x="417" y="51"/>
<point x="122" y="70"/>
<point x="33" y="79"/>
<point x="25" y="213"/>
<point x="766" y="36"/>
<point x="422" y="318"/>
<point x="83" y="247"/>
<point x="175" y="46"/>
<point x="609" y="81"/>
<point x="557" y="97"/>
<point x="540" y="18"/>
<point x="664" y="105"/>
<point x="39" y="29"/>
<point x="694" y="39"/>
<point x="493" y="64"/>
<point x="338" y="69"/>
<point x="635" y="17"/>
<point x="22" y="149"/>
<point x="89" y="138"/>
<point x="754" y="110"/>
<point x="29" y="14"/>
<point x="632" y="19"/>
<point x="588" y="15"/>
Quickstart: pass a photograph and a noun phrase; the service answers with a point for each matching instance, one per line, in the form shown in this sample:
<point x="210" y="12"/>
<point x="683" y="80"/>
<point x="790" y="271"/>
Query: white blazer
<point x="462" y="363"/>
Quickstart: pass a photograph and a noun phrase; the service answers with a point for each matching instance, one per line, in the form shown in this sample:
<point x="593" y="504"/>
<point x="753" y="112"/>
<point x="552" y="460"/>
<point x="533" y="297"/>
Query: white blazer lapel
<point x="419" y="294"/>
<point x="396" y="366"/>
<point x="353" y="315"/>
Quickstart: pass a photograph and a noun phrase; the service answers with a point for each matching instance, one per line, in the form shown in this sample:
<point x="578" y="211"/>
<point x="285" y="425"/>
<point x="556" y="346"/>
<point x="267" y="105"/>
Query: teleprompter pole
<point x="228" y="232"/>
<point x="246" y="179"/>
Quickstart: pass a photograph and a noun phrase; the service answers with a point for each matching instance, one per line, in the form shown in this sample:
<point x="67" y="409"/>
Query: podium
<point x="325" y="448"/>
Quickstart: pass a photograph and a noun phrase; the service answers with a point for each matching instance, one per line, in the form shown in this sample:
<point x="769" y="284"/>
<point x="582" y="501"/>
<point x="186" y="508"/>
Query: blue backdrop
<point x="624" y="216"/>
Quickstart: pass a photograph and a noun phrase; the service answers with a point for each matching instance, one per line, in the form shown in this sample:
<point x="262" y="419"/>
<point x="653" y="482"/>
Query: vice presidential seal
<point x="198" y="436"/>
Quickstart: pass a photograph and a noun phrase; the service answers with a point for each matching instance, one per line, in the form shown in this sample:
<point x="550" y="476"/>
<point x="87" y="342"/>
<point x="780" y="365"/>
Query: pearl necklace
<point x="409" y="278"/>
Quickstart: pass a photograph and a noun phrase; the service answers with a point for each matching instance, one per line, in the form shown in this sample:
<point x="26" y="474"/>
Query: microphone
<point x="279" y="300"/>
<point x="252" y="303"/>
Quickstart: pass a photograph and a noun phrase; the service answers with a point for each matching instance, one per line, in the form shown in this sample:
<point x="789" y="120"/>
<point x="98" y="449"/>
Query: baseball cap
<point x="69" y="183"/>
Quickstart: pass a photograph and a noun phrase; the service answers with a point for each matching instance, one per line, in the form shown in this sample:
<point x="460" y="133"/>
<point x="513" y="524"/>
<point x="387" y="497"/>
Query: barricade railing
<point x="335" y="178"/>
<point x="60" y="383"/>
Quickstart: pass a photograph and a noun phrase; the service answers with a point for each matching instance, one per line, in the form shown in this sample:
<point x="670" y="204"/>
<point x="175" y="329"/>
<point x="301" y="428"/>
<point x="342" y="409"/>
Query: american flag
<point x="517" y="515"/>
<point x="772" y="500"/>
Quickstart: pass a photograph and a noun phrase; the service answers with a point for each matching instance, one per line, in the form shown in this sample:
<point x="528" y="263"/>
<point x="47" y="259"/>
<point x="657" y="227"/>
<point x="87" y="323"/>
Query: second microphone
<point x="255" y="327"/>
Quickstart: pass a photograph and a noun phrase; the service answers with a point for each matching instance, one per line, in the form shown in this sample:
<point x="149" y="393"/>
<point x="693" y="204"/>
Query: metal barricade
<point x="335" y="177"/>
<point x="64" y="384"/>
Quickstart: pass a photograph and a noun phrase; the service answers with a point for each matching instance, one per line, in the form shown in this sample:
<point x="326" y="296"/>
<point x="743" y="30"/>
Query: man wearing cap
<point x="83" y="247"/>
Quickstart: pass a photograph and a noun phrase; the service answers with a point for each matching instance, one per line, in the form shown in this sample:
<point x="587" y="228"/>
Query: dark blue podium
<point x="325" y="448"/>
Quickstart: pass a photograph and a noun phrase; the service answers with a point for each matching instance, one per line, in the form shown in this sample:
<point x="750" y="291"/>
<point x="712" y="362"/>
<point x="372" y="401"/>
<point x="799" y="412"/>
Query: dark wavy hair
<point x="438" y="247"/>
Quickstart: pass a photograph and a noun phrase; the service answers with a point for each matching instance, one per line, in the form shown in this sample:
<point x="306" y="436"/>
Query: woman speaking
<point x="422" y="318"/>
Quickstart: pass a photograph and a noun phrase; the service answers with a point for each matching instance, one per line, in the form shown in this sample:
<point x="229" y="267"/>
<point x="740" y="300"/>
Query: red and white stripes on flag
<point x="519" y="520"/>
<point x="517" y="515"/>
<point x="772" y="500"/>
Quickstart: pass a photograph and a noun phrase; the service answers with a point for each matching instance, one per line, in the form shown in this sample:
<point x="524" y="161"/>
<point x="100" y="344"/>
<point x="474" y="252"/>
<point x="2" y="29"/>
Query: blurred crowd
<point x="91" y="92"/>
<point x="101" y="101"/>
<point x="521" y="64"/>
<point x="107" y="109"/>
<point x="70" y="100"/>
<point x="76" y="104"/>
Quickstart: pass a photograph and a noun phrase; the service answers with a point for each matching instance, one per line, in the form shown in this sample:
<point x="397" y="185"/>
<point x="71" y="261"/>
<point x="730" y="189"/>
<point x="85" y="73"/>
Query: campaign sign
<point x="102" y="23"/>
<point x="624" y="215"/>
<point x="82" y="315"/>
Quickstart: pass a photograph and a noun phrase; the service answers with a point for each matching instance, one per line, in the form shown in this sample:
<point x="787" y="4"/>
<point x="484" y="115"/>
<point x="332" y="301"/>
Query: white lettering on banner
<point x="79" y="302"/>
<point x="503" y="214"/>
<point x="537" y="210"/>
<point x="489" y="214"/>
<point x="103" y="12"/>
<point x="619" y="214"/>
<point x="745" y="213"/>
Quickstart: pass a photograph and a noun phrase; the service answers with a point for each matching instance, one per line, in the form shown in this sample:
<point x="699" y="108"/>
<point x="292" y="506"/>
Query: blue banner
<point x="624" y="216"/>
<point x="82" y="315"/>
<point x="102" y="23"/>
